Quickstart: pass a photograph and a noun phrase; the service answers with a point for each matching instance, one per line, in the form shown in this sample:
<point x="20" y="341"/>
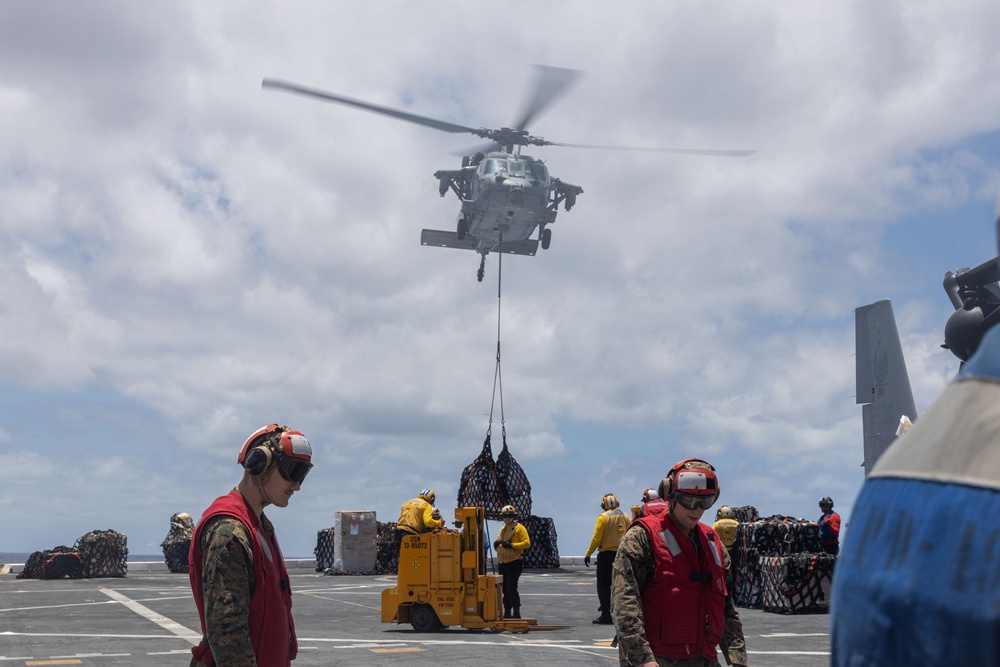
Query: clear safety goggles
<point x="695" y="502"/>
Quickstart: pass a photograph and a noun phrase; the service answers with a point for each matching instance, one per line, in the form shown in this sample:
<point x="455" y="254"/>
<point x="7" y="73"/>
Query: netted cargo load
<point x="781" y="536"/>
<point x="544" y="550"/>
<point x="104" y="554"/>
<point x="387" y="560"/>
<point x="745" y="514"/>
<point x="514" y="485"/>
<point x="478" y="486"/>
<point x="796" y="584"/>
<point x="765" y="538"/>
<point x="745" y="568"/>
<point x="57" y="563"/>
<point x="177" y="544"/>
<point x="324" y="549"/>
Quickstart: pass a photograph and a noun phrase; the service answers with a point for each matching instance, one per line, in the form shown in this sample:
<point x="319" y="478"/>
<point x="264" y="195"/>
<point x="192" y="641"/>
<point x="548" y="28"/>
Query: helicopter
<point x="505" y="194"/>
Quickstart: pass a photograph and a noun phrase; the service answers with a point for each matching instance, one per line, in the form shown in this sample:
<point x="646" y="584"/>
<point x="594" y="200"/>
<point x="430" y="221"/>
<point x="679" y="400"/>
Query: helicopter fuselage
<point x="505" y="198"/>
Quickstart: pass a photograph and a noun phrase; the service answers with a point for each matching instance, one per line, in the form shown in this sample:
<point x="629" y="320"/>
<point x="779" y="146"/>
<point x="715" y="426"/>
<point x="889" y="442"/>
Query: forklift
<point x="442" y="581"/>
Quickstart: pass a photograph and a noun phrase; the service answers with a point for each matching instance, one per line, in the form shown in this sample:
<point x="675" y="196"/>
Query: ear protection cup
<point x="258" y="460"/>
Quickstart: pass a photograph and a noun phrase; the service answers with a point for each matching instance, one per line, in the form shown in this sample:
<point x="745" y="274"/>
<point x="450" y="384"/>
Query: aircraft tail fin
<point x="883" y="386"/>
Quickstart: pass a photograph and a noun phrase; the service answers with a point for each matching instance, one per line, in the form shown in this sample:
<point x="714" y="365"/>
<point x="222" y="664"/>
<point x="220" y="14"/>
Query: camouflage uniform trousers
<point x="633" y="570"/>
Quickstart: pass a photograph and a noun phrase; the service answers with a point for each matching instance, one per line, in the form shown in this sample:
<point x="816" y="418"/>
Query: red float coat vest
<point x="653" y="507"/>
<point x="684" y="605"/>
<point x="272" y="631"/>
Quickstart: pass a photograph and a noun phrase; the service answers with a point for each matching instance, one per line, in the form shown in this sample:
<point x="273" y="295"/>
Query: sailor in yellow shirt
<point x="611" y="526"/>
<point x="726" y="525"/>
<point x="418" y="516"/>
<point x="511" y="542"/>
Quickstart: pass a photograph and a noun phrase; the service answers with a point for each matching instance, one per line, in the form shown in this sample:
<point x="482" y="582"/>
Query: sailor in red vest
<point x="237" y="572"/>
<point x="652" y="503"/>
<point x="670" y="595"/>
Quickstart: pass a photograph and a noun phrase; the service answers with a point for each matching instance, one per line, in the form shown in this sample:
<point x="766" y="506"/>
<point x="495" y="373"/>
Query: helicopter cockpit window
<point x="516" y="168"/>
<point x="493" y="166"/>
<point x="539" y="172"/>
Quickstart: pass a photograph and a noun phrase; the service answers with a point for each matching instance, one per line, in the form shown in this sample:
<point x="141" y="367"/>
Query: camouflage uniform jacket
<point x="633" y="570"/>
<point x="228" y="582"/>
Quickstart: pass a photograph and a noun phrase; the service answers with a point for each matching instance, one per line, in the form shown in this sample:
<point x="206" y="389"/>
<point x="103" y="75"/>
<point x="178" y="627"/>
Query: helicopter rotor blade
<point x="551" y="83"/>
<point x="648" y="149"/>
<point x="385" y="111"/>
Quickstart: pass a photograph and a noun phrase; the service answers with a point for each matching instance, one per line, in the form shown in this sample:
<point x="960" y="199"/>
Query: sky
<point x="185" y="257"/>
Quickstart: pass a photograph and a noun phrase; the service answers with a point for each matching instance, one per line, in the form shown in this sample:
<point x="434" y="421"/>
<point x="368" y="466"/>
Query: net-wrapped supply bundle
<point x="177" y="544"/>
<point x="544" y="550"/>
<point x="387" y="560"/>
<point x="745" y="568"/>
<point x="104" y="554"/>
<point x="57" y="563"/>
<point x="479" y="487"/>
<point x="775" y="536"/>
<point x="746" y="514"/>
<point x="324" y="549"/>
<point x="796" y="584"/>
<point x="515" y="488"/>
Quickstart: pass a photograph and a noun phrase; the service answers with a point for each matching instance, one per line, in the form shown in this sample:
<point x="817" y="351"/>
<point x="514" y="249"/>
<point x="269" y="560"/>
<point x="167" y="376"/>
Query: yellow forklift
<point x="442" y="581"/>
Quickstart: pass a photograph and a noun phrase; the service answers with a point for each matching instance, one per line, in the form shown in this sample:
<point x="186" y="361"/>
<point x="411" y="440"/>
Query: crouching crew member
<point x="510" y="544"/>
<point x="671" y="597"/>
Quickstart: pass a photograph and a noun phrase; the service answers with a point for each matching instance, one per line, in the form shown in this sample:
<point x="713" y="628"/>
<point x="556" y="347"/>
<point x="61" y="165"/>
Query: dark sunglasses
<point x="694" y="502"/>
<point x="292" y="469"/>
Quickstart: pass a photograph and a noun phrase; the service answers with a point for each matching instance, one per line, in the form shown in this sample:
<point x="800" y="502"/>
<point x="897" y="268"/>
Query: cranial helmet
<point x="826" y="500"/>
<point x="725" y="512"/>
<point x="609" y="502"/>
<point x="693" y="477"/>
<point x="649" y="494"/>
<point x="280" y="447"/>
<point x="428" y="495"/>
<point x="508" y="510"/>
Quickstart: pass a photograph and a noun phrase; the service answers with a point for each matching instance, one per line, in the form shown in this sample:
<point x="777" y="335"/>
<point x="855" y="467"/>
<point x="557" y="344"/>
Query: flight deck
<point x="149" y="618"/>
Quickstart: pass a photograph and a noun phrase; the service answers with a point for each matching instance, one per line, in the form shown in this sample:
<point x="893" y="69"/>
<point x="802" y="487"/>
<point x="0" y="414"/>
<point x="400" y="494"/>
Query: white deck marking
<point x="147" y="613"/>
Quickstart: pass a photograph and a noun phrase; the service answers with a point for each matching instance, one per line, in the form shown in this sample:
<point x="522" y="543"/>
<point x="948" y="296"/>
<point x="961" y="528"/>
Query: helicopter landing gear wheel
<point x="423" y="618"/>
<point x="482" y="269"/>
<point x="546" y="238"/>
<point x="463" y="228"/>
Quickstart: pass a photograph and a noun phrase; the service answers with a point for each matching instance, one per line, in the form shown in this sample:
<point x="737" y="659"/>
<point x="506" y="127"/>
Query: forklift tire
<point x="423" y="618"/>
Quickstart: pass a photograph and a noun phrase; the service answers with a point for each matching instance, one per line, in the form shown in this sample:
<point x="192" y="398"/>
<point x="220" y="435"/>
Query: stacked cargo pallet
<point x="778" y="565"/>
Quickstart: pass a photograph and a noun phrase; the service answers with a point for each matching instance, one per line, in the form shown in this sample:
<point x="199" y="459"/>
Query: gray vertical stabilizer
<point x="883" y="387"/>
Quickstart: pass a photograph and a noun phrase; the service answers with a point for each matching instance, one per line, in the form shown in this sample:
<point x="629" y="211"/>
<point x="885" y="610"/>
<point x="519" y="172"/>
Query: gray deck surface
<point x="149" y="618"/>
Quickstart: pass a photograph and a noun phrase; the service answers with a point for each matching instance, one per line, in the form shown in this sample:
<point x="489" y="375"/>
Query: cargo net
<point x="324" y="549"/>
<point x="104" y="554"/>
<point x="746" y="514"/>
<point x="764" y="538"/>
<point x="544" y="551"/>
<point x="57" y="563"/>
<point x="796" y="584"/>
<point x="387" y="554"/>
<point x="177" y="544"/>
<point x="492" y="484"/>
